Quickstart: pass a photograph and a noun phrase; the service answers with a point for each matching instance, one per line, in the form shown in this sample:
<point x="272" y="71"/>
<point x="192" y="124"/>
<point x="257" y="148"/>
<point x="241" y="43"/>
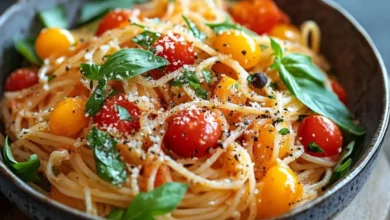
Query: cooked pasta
<point x="255" y="124"/>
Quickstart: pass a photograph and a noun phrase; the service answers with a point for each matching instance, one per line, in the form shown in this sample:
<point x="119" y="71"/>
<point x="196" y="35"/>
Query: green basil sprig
<point x="188" y="77"/>
<point x="109" y="166"/>
<point x="306" y="82"/>
<point x="146" y="39"/>
<point x="195" y="31"/>
<point x="148" y="205"/>
<point x="27" y="171"/>
<point x="96" y="8"/>
<point x="26" y="47"/>
<point x="344" y="164"/>
<point x="225" y="26"/>
<point x="54" y="17"/>
<point x="122" y="65"/>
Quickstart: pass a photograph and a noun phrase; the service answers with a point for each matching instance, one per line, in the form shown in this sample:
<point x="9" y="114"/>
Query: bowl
<point x="350" y="51"/>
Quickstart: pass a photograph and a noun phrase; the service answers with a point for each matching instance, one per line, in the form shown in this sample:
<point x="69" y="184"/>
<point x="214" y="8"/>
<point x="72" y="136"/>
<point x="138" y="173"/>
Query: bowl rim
<point x="374" y="145"/>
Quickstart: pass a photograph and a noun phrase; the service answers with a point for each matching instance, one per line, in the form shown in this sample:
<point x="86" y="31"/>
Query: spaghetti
<point x="259" y="141"/>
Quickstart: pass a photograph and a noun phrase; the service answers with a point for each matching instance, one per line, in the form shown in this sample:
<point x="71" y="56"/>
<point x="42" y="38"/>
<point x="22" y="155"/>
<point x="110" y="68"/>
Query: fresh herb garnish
<point x="263" y="47"/>
<point x="115" y="214"/>
<point x="114" y="92"/>
<point x="344" y="164"/>
<point x="51" y="77"/>
<point x="271" y="96"/>
<point x="124" y="114"/>
<point x="274" y="85"/>
<point x="195" y="31"/>
<point x="26" y="47"/>
<point x="313" y="147"/>
<point x="122" y="65"/>
<point x="188" y="77"/>
<point x="160" y="201"/>
<point x="284" y="131"/>
<point x="109" y="166"/>
<point x="307" y="83"/>
<point x="207" y="75"/>
<point x="54" y="17"/>
<point x="27" y="171"/>
<point x="96" y="8"/>
<point x="146" y="39"/>
<point x="225" y="26"/>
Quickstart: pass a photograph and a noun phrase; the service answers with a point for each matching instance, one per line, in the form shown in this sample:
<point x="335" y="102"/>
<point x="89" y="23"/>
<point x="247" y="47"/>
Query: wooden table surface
<point x="373" y="202"/>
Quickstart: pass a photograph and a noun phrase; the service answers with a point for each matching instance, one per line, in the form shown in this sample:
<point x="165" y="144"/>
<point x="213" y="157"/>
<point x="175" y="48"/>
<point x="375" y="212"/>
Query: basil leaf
<point x="207" y="75"/>
<point x="146" y="38"/>
<point x="95" y="8"/>
<point x="109" y="166"/>
<point x="160" y="201"/>
<point x="284" y="131"/>
<point x="124" y="114"/>
<point x="303" y="80"/>
<point x="96" y="101"/>
<point x="27" y="171"/>
<point x="202" y="93"/>
<point x="54" y="17"/>
<point x="195" y="31"/>
<point x="115" y="214"/>
<point x="225" y="26"/>
<point x="185" y="78"/>
<point x="347" y="151"/>
<point x="274" y="85"/>
<point x="90" y="71"/>
<point x="128" y="63"/>
<point x="26" y="47"/>
<point x="313" y="147"/>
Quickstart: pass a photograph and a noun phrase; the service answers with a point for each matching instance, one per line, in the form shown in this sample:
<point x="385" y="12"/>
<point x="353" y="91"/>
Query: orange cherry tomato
<point x="176" y="50"/>
<point x="286" y="32"/>
<point x="321" y="131"/>
<point x="116" y="19"/>
<point x="53" y="41"/>
<point x="191" y="133"/>
<point x="22" y="79"/>
<point x="257" y="15"/>
<point x="340" y="92"/>
<point x="108" y="118"/>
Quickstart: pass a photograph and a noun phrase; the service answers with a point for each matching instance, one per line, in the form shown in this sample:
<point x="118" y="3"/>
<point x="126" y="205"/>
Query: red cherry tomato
<point x="258" y="15"/>
<point x="323" y="132"/>
<point x="176" y="50"/>
<point x="115" y="19"/>
<point x="108" y="118"/>
<point x="191" y="133"/>
<point x="22" y="79"/>
<point x="340" y="92"/>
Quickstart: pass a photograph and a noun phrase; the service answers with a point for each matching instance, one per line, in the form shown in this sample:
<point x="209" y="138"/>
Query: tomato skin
<point x="108" y="117"/>
<point x="286" y="32"/>
<point x="340" y="92"/>
<point x="176" y="50"/>
<point x="323" y="132"/>
<point x="115" y="19"/>
<point x="257" y="15"/>
<point x="192" y="132"/>
<point x="21" y="79"/>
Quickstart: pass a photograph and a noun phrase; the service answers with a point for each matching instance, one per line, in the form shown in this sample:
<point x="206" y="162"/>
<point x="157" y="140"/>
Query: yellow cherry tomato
<point x="286" y="32"/>
<point x="52" y="41"/>
<point x="263" y="145"/>
<point x="227" y="90"/>
<point x="278" y="191"/>
<point x="239" y="46"/>
<point x="221" y="68"/>
<point x="68" y="117"/>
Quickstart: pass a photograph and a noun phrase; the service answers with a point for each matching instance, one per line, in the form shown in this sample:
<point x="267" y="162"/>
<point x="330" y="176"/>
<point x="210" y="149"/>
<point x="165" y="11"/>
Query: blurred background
<point x="373" y="15"/>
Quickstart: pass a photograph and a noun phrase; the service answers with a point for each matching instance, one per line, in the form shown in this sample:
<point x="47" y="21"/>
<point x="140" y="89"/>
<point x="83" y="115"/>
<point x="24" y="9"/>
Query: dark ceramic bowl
<point x="352" y="55"/>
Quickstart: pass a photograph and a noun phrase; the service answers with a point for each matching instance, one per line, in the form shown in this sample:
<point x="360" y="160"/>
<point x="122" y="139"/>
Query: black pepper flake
<point x="243" y="52"/>
<point x="67" y="68"/>
<point x="236" y="157"/>
<point x="259" y="80"/>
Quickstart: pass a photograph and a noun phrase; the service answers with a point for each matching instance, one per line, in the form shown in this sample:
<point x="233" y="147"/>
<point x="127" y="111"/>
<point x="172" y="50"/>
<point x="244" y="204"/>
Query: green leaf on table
<point x="306" y="82"/>
<point x="27" y="171"/>
<point x="96" y="8"/>
<point x="26" y="47"/>
<point x="195" y="31"/>
<point x="160" y="201"/>
<point x="54" y="17"/>
<point x="109" y="166"/>
<point x="146" y="39"/>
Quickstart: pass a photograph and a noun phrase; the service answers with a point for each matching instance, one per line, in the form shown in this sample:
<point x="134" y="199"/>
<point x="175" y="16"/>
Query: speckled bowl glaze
<point x="352" y="55"/>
